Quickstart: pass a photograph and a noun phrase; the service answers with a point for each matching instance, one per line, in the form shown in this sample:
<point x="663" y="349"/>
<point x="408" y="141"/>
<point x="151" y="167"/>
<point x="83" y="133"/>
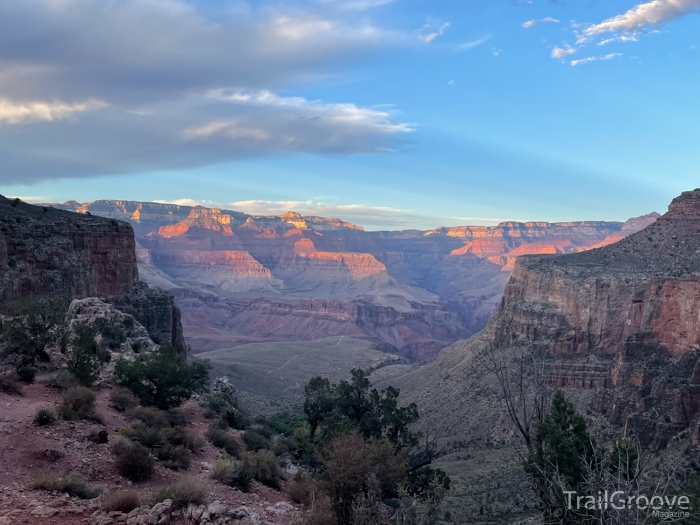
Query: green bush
<point x="264" y="467"/>
<point x="121" y="400"/>
<point x="84" y="362"/>
<point x="26" y="374"/>
<point x="176" y="418"/>
<point x="148" y="416"/>
<point x="185" y="491"/>
<point x="162" y="379"/>
<point x="149" y="437"/>
<point x="223" y="440"/>
<point x="34" y="325"/>
<point x="181" y="437"/>
<point x="78" y="403"/>
<point x="233" y="473"/>
<point x="43" y="416"/>
<point x="174" y="458"/>
<point x="254" y="441"/>
<point x="134" y="462"/>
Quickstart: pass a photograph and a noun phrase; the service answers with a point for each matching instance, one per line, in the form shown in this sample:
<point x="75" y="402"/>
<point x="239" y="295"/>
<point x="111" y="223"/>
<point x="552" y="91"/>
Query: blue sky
<point x="391" y="114"/>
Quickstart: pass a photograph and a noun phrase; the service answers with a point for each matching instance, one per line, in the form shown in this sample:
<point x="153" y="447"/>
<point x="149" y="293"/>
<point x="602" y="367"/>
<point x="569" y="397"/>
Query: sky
<point x="392" y="114"/>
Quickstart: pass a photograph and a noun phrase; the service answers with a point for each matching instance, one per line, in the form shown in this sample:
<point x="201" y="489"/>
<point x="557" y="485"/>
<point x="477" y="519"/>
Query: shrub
<point x="264" y="467"/>
<point x="233" y="473"/>
<point x="122" y="400"/>
<point x="74" y="484"/>
<point x="321" y="512"/>
<point x="302" y="492"/>
<point x="255" y="441"/>
<point x="84" y="362"/>
<point x="120" y="501"/>
<point x="78" y="403"/>
<point x="9" y="384"/>
<point x="44" y="480"/>
<point x="286" y="423"/>
<point x="176" y="418"/>
<point x="223" y="440"/>
<point x="180" y="437"/>
<point x="61" y="380"/>
<point x="77" y="486"/>
<point x="162" y="379"/>
<point x="26" y="374"/>
<point x="174" y="458"/>
<point x="112" y="336"/>
<point x="148" y="416"/>
<point x="35" y="324"/>
<point x="134" y="462"/>
<point x="183" y="492"/>
<point x="98" y="434"/>
<point x="119" y="445"/>
<point x="149" y="437"/>
<point x="127" y="432"/>
<point x="43" y="416"/>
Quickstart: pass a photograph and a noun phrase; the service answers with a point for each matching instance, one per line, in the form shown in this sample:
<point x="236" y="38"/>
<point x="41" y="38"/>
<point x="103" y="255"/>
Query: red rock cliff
<point x="623" y="320"/>
<point x="45" y="251"/>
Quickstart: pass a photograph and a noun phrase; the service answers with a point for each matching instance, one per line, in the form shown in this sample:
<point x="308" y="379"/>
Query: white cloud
<point x="621" y="38"/>
<point x="471" y="45"/>
<point x="545" y="20"/>
<point x="429" y="37"/>
<point x="652" y="13"/>
<point x="587" y="60"/>
<point x="297" y="124"/>
<point x="154" y="63"/>
<point x="12" y="112"/>
<point x="561" y="52"/>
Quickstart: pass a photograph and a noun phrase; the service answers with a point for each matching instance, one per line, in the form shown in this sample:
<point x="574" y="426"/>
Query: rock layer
<point x="50" y="252"/>
<point x="450" y="278"/>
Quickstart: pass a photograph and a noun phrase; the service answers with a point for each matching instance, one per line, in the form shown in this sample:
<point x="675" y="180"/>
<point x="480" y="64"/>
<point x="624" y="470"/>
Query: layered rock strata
<point x="50" y="252"/>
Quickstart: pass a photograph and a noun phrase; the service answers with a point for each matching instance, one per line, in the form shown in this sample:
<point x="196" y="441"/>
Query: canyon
<point x="239" y="278"/>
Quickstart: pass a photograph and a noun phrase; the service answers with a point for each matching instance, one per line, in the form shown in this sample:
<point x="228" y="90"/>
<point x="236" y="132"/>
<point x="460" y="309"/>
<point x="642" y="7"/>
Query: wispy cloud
<point x="588" y="60"/>
<point x="654" y="13"/>
<point x="429" y="37"/>
<point x="13" y="112"/>
<point x="471" y="45"/>
<point x="545" y="20"/>
<point x="297" y="124"/>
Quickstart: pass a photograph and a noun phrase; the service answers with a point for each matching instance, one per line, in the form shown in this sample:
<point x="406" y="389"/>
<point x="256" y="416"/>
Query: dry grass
<point x="184" y="491"/>
<point x="120" y="500"/>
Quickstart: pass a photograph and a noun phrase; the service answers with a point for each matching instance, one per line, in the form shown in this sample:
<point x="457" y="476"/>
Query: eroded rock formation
<point x="426" y="288"/>
<point x="46" y="251"/>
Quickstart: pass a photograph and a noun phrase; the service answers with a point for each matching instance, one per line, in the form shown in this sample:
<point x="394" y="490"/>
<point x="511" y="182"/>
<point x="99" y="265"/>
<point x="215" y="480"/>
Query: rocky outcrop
<point x="50" y="252"/>
<point x="622" y="320"/>
<point x="156" y="311"/>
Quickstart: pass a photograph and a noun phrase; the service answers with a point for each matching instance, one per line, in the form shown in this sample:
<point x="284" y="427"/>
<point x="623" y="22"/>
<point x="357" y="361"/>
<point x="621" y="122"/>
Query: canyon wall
<point x="50" y="252"/>
<point x="427" y="288"/>
<point x="619" y="327"/>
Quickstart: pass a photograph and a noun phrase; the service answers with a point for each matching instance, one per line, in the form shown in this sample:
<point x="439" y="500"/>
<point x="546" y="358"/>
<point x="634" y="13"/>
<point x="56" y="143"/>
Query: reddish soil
<point x="62" y="447"/>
